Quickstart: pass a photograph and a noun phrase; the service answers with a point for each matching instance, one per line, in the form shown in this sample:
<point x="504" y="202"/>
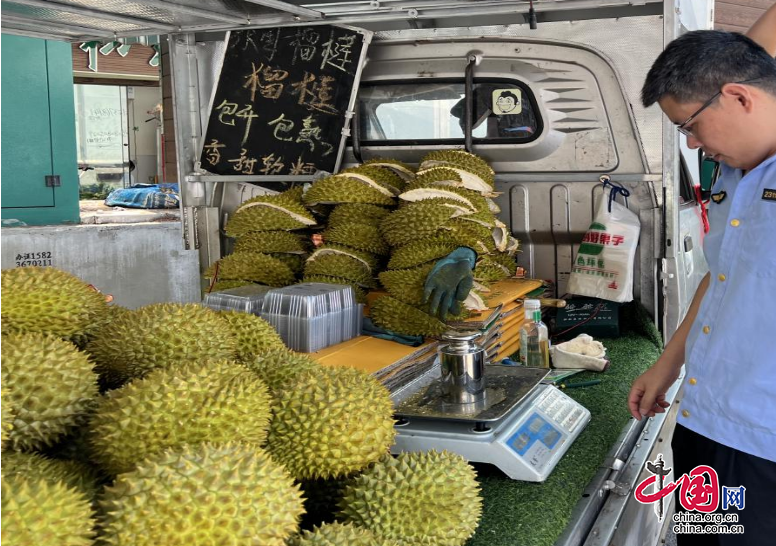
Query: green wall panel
<point x="38" y="132"/>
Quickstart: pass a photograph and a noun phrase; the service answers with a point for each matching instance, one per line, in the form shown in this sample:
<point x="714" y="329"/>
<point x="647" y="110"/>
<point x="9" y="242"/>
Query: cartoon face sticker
<point x="507" y="102"/>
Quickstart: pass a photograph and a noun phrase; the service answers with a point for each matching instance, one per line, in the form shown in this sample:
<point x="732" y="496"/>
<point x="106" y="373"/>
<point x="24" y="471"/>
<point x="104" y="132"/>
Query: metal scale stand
<point x="487" y="413"/>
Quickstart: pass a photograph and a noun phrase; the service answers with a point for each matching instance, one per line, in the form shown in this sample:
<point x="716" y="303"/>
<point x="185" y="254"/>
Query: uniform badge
<point x="718" y="197"/>
<point x="769" y="194"/>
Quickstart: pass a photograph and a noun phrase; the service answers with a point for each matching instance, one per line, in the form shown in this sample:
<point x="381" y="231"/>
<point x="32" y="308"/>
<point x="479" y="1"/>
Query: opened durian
<point x="282" y="211"/>
<point x="420" y="252"/>
<point x="40" y="513"/>
<point x="161" y="335"/>
<point x="396" y="316"/>
<point x="436" y="176"/>
<point x="407" y="285"/>
<point x="339" y="189"/>
<point x="294" y="262"/>
<point x="331" y="422"/>
<point x="365" y="237"/>
<point x="340" y="534"/>
<point x="475" y="173"/>
<point x="416" y="498"/>
<point x="415" y="221"/>
<point x="400" y="168"/>
<point x="213" y="401"/>
<point x="341" y="266"/>
<point x="52" y="386"/>
<point x="267" y="242"/>
<point x="258" y="268"/>
<point x="253" y="334"/>
<point x="375" y="175"/>
<point x="48" y="301"/>
<point x="357" y="212"/>
<point x="368" y="259"/>
<point x="204" y="494"/>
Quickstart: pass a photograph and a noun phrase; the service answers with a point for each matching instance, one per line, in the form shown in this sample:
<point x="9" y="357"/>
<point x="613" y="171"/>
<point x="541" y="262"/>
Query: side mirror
<point x="709" y="175"/>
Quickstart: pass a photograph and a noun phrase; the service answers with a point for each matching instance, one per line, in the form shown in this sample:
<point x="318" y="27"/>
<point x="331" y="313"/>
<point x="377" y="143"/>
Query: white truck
<point x="578" y="75"/>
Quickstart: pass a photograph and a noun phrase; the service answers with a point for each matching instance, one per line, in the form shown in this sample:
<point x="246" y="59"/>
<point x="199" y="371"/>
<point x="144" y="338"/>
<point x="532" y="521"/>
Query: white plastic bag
<point x="603" y="267"/>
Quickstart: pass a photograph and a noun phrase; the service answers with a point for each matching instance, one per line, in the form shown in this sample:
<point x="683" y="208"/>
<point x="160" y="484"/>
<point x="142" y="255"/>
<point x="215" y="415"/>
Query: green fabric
<point x="530" y="514"/>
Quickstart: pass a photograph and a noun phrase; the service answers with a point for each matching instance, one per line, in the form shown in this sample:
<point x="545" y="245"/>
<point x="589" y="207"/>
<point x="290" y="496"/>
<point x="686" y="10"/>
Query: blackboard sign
<point x="281" y="99"/>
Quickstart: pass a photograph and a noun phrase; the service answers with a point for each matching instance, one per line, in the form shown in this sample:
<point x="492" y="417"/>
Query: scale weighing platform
<point x="521" y="426"/>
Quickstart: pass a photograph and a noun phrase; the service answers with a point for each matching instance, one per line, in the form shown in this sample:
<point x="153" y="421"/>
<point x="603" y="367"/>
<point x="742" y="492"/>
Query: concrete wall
<point x="137" y="263"/>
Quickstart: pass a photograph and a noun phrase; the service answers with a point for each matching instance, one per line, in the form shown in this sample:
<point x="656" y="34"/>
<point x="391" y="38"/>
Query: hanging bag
<point x="603" y="266"/>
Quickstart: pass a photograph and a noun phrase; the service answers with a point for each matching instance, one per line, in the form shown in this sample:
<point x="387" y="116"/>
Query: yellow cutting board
<point x="366" y="353"/>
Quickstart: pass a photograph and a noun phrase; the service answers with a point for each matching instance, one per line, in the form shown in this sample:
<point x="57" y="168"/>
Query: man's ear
<point x="741" y="94"/>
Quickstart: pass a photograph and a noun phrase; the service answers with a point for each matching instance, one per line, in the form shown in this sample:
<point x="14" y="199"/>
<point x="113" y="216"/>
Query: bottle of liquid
<point x="534" y="337"/>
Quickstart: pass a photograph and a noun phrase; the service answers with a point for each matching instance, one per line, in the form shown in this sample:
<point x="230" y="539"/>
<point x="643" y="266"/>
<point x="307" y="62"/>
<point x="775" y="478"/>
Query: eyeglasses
<point x="682" y="128"/>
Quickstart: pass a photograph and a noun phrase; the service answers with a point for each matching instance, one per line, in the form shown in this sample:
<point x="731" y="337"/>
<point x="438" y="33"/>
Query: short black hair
<point x="507" y="94"/>
<point x="697" y="64"/>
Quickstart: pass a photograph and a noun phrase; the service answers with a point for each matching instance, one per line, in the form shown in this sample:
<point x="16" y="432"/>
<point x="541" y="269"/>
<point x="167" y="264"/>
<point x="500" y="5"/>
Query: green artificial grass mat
<point x="532" y="514"/>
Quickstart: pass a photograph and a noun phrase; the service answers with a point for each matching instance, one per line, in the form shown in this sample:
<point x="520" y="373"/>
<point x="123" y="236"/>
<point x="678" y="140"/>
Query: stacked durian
<point x="271" y="245"/>
<point x="448" y="204"/>
<point x="208" y="437"/>
<point x="353" y="249"/>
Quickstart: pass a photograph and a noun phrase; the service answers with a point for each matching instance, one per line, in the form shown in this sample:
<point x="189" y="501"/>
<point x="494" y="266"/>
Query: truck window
<point x="433" y="112"/>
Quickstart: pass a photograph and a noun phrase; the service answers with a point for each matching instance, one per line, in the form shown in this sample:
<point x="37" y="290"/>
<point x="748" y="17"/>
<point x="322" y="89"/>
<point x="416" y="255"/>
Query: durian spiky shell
<point x="407" y="285"/>
<point x="112" y="312"/>
<point x="278" y="367"/>
<point x="418" y="253"/>
<point x="77" y="475"/>
<point x="385" y="177"/>
<point x="359" y="213"/>
<point x="160" y="335"/>
<point x="460" y="160"/>
<point x="258" y="268"/>
<point x="490" y="271"/>
<point x="359" y="292"/>
<point x="268" y="242"/>
<point x="295" y="262"/>
<point x="395" y="315"/>
<point x="473" y="231"/>
<point x="214" y="401"/>
<point x="49" y="301"/>
<point x="434" y="176"/>
<point x="52" y="387"/>
<point x="477" y="200"/>
<point x="429" y="498"/>
<point x="280" y="212"/>
<point x="331" y="422"/>
<point x="205" y="494"/>
<point x="414" y="221"/>
<point x="254" y="335"/>
<point x="37" y="512"/>
<point x="365" y="237"/>
<point x="226" y="285"/>
<point x="399" y="167"/>
<point x="341" y="266"/>
<point x="340" y="189"/>
<point x="367" y="258"/>
<point x="504" y="260"/>
<point x="6" y="415"/>
<point x="340" y="534"/>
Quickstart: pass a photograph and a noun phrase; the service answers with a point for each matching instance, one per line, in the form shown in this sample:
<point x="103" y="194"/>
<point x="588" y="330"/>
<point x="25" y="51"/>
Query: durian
<point x="205" y="494"/>
<point x="436" y="176"/>
<point x="359" y="292"/>
<point x="505" y="260"/>
<point x="418" y="253"/>
<point x="295" y="262"/>
<point x="439" y="195"/>
<point x="414" y="222"/>
<point x="375" y="175"/>
<point x="214" y="401"/>
<point x="37" y="512"/>
<point x="488" y="270"/>
<point x="474" y="171"/>
<point x="407" y="285"/>
<point x="344" y="189"/>
<point x="479" y="235"/>
<point x="253" y="334"/>
<point x="160" y="335"/>
<point x="282" y="211"/>
<point x="341" y="266"/>
<point x="359" y="213"/>
<point x="259" y="268"/>
<point x="331" y="422"/>
<point x="400" y="168"/>
<point x="6" y="415"/>
<point x="365" y="237"/>
<point x="396" y="316"/>
<point x="279" y="367"/>
<point x="267" y="242"/>
<point x="340" y="534"/>
<point x="112" y="312"/>
<point x="34" y="466"/>
<point x="52" y="386"/>
<point x="48" y="301"/>
<point x="368" y="259"/>
<point x="226" y="285"/>
<point x="427" y="498"/>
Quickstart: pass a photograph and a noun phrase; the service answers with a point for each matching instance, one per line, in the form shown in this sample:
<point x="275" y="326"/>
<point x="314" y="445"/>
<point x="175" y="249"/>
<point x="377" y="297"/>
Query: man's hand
<point x="648" y="393"/>
<point x="449" y="282"/>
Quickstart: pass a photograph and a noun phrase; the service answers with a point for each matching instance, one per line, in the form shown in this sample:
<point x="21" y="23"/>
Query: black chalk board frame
<point x="201" y="173"/>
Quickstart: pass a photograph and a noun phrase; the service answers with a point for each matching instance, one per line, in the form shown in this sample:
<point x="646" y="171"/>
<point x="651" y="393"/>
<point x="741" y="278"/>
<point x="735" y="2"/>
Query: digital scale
<point x="488" y="413"/>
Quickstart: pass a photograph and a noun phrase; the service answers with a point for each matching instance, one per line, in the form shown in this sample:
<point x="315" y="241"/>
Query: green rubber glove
<point x="449" y="282"/>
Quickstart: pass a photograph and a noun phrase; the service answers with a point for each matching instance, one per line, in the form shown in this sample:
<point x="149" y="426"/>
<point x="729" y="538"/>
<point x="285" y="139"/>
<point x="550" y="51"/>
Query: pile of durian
<point x="449" y="203"/>
<point x="271" y="242"/>
<point x="177" y="425"/>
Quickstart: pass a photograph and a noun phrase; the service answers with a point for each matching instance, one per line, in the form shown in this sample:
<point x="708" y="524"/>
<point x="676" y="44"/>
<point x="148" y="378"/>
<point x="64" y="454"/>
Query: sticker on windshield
<point x="507" y="102"/>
